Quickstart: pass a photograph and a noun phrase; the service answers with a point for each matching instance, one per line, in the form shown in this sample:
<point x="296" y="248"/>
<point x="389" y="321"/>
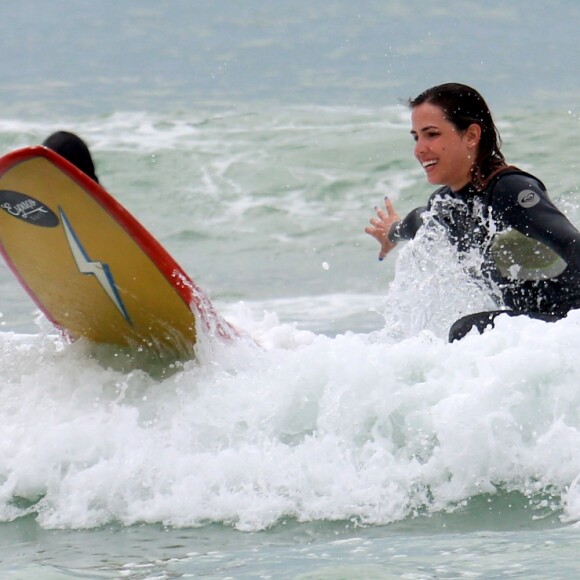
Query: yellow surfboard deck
<point x="89" y="265"/>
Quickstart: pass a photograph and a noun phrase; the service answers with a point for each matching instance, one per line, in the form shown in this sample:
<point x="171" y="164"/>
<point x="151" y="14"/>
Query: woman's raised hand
<point x="381" y="226"/>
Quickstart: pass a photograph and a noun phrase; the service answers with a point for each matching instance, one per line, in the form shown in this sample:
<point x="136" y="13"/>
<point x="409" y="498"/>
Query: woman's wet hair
<point x="463" y="106"/>
<point x="73" y="149"/>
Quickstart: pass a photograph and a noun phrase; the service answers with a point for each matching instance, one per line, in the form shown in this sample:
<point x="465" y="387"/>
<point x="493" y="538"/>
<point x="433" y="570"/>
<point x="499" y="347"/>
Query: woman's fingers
<point x="381" y="225"/>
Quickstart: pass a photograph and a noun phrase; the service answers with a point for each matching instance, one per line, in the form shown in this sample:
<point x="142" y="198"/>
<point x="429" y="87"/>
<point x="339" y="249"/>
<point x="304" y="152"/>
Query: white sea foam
<point x="311" y="427"/>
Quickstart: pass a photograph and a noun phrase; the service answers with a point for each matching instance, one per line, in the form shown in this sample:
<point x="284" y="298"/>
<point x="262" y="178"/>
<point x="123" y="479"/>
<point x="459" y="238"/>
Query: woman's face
<point x="446" y="154"/>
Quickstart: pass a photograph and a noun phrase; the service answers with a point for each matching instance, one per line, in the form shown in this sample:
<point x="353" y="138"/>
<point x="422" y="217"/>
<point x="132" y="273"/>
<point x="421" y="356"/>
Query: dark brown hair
<point x="462" y="106"/>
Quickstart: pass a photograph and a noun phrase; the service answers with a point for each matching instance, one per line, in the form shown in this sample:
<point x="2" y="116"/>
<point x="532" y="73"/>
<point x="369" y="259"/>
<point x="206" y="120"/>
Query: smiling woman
<point x="530" y="251"/>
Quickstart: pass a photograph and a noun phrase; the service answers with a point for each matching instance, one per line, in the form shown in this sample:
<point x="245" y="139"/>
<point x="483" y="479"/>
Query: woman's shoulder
<point x="514" y="190"/>
<point x="513" y="179"/>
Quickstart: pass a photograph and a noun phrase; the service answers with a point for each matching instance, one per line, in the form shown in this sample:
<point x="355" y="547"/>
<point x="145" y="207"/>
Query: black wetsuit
<point x="530" y="250"/>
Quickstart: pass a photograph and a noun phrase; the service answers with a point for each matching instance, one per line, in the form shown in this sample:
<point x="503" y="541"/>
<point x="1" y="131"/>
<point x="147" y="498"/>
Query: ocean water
<point x="342" y="437"/>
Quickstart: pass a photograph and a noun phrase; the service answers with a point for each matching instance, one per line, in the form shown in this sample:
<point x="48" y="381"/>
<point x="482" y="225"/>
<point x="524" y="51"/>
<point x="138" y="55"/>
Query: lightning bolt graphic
<point x="90" y="267"/>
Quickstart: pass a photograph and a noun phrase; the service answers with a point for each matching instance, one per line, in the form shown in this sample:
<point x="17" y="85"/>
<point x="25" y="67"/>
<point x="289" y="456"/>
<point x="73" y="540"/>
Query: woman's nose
<point x="419" y="147"/>
<point x="422" y="146"/>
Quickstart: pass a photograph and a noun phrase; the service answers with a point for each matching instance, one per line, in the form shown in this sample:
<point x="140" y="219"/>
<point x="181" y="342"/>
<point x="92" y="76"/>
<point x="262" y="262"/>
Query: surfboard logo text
<point x="27" y="209"/>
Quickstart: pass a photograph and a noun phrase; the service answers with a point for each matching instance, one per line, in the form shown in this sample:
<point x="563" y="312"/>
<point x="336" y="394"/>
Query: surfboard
<point x="90" y="266"/>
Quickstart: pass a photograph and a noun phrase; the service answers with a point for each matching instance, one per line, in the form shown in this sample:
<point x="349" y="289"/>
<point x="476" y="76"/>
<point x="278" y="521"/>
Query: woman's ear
<point x="473" y="135"/>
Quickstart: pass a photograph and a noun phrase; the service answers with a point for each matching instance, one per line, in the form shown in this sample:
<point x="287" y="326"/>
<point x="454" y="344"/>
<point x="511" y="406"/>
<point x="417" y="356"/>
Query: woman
<point x="530" y="250"/>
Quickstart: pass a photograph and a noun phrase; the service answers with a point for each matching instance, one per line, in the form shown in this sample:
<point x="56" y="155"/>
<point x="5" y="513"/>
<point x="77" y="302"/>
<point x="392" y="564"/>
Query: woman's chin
<point x="433" y="179"/>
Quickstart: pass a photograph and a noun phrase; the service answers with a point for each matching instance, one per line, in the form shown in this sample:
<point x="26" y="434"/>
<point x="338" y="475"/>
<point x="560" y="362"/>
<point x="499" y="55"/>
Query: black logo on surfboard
<point x="26" y="208"/>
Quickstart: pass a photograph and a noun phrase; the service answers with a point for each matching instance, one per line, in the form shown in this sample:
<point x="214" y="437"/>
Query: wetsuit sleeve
<point x="407" y="227"/>
<point x="523" y="204"/>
